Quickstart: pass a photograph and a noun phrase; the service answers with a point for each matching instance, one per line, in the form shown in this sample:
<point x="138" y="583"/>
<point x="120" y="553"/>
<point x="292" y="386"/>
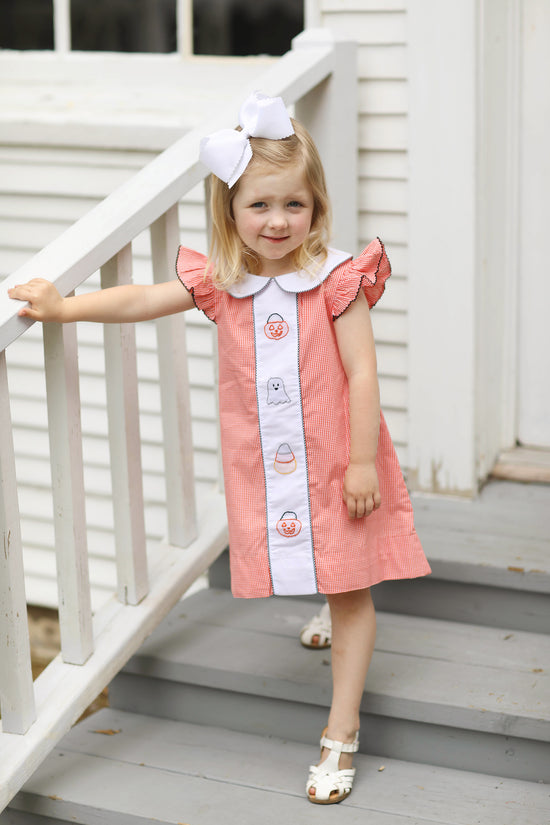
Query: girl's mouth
<point x="273" y="240"/>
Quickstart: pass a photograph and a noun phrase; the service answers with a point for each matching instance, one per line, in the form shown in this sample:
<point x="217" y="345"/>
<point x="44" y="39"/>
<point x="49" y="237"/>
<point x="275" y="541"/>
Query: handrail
<point x="315" y="75"/>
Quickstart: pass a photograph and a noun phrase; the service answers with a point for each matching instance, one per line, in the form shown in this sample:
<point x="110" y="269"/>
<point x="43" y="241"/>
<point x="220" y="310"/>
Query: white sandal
<point x="329" y="782"/>
<point x="321" y="626"/>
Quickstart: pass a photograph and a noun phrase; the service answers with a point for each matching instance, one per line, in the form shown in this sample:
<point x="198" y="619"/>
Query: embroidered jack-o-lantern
<point x="276" y="327"/>
<point x="285" y="460"/>
<point x="289" y="524"/>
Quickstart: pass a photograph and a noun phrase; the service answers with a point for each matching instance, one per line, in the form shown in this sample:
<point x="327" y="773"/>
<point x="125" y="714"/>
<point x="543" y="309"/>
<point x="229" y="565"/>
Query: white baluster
<point x="175" y="394"/>
<point x="65" y="432"/>
<point x="125" y="444"/>
<point x="16" y="688"/>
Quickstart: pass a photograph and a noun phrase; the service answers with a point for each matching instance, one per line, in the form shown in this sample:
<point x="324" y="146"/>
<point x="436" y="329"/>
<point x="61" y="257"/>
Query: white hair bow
<point x="227" y="153"/>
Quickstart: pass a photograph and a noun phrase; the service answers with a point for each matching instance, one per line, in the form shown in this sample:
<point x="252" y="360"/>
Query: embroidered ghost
<point x="285" y="460"/>
<point x="276" y="327"/>
<point x="289" y="524"/>
<point x="276" y="392"/>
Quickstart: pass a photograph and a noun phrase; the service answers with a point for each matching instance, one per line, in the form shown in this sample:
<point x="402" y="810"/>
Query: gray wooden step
<point x="151" y="770"/>
<point x="439" y="692"/>
<point x="490" y="559"/>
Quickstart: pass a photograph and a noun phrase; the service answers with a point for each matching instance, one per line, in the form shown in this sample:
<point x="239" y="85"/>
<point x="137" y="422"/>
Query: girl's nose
<point x="277" y="218"/>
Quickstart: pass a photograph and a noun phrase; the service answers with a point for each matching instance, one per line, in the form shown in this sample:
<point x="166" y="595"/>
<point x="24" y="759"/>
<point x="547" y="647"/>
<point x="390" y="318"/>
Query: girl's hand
<point x="45" y="302"/>
<point x="361" y="492"/>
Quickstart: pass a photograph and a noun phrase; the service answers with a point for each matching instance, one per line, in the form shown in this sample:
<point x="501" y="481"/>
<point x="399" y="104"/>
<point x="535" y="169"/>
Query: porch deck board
<point x="501" y="538"/>
<point x="419" y="668"/>
<point x="451" y="641"/>
<point x="155" y="770"/>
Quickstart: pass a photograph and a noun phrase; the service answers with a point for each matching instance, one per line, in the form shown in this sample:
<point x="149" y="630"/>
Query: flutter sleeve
<point x="193" y="272"/>
<point x="369" y="272"/>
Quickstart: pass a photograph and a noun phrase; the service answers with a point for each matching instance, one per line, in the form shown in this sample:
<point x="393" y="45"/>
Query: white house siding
<point x="379" y="27"/>
<point x="42" y="191"/>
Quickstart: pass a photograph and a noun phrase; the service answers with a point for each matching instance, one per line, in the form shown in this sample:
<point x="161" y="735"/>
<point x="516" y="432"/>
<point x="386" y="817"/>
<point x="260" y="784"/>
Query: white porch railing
<point x="318" y="76"/>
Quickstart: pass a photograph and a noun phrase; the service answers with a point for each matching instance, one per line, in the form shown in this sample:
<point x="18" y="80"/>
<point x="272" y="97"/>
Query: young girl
<point x="315" y="497"/>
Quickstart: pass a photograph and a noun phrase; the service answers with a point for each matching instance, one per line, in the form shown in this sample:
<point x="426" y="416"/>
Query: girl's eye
<point x="258" y="205"/>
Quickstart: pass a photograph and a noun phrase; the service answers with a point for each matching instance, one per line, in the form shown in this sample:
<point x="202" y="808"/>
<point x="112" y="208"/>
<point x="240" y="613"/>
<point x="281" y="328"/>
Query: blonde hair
<point x="229" y="257"/>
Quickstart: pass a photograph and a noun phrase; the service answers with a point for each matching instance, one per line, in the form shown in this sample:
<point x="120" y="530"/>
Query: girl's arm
<point x="119" y="304"/>
<point x="356" y="345"/>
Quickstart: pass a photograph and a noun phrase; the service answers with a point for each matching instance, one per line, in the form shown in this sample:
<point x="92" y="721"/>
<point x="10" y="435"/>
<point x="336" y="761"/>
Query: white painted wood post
<point x="65" y="433"/>
<point x="125" y="442"/>
<point x="16" y="688"/>
<point x="330" y="112"/>
<point x="175" y="393"/>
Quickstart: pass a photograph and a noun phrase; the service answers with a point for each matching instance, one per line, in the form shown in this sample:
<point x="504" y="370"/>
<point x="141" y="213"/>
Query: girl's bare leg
<point x="353" y="637"/>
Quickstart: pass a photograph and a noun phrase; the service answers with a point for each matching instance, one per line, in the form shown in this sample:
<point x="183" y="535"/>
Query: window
<point x="123" y="25"/>
<point x="220" y="27"/>
<point x="241" y="27"/>
<point x="26" y="24"/>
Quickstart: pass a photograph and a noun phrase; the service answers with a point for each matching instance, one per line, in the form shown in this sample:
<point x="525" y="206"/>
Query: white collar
<point x="290" y="281"/>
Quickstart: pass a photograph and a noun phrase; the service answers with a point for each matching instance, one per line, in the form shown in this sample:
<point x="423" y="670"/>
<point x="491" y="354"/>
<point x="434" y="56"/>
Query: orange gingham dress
<point x="285" y="433"/>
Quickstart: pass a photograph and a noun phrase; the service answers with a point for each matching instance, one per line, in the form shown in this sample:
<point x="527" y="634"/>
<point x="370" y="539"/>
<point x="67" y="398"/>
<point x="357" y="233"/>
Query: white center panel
<point x="290" y="542"/>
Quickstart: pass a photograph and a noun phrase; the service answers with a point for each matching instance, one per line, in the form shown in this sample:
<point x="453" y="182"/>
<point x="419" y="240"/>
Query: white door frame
<point x="533" y="392"/>
<point x="463" y="239"/>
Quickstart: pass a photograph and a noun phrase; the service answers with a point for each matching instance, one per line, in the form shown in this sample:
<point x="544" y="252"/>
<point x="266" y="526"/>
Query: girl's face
<point x="272" y="210"/>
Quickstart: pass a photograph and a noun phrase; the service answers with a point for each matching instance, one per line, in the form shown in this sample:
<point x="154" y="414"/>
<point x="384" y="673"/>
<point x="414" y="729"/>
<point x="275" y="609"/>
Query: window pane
<point x="123" y="25"/>
<point x="242" y="27"/>
<point x="26" y="24"/>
